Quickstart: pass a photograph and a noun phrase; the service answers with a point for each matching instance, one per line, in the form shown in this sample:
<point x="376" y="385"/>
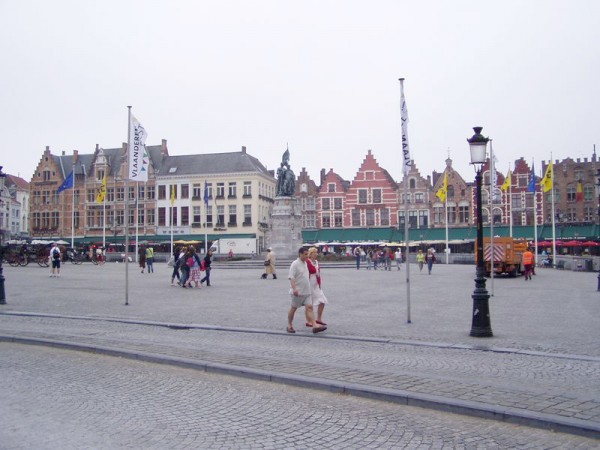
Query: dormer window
<point x="173" y="170"/>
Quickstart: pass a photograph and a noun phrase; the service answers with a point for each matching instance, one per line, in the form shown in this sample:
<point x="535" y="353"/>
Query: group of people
<point x="375" y="258"/>
<point x="146" y="258"/>
<point x="428" y="258"/>
<point x="188" y="267"/>
<point x="305" y="290"/>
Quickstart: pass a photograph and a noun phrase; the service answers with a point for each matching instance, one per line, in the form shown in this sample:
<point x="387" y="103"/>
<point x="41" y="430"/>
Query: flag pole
<point x="510" y="220"/>
<point x="447" y="254"/>
<point x="127" y="207"/>
<point x="172" y="192"/>
<point x="73" y="208"/>
<point x="554" y="260"/>
<point x="135" y="217"/>
<point x="406" y="164"/>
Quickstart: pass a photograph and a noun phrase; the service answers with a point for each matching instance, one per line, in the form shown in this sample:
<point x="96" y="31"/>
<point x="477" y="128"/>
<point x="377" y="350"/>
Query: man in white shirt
<point x="300" y="292"/>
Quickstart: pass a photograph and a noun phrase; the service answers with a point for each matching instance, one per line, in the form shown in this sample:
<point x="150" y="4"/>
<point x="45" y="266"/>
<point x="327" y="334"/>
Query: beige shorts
<point x="301" y="300"/>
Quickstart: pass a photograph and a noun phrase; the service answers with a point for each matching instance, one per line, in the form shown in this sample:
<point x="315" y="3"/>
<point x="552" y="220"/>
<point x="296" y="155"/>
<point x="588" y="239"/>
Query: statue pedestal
<point x="286" y="228"/>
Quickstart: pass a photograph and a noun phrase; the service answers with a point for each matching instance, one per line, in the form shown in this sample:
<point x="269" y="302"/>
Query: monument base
<point x="286" y="228"/>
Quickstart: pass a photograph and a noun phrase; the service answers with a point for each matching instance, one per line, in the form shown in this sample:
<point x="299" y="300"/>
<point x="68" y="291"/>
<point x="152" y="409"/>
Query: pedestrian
<point x="184" y="266"/>
<point x="142" y="257"/>
<point x="369" y="258"/>
<point x="430" y="258"/>
<point x="175" y="259"/>
<point x="55" y="257"/>
<point x="387" y="258"/>
<point x="375" y="259"/>
<point x="528" y="261"/>
<point x="357" y="251"/>
<point x="207" y="261"/>
<point x="269" y="265"/>
<point x="300" y="292"/>
<point x="398" y="258"/>
<point x="420" y="260"/>
<point x="150" y="259"/>
<point x="193" y="262"/>
<point x="318" y="297"/>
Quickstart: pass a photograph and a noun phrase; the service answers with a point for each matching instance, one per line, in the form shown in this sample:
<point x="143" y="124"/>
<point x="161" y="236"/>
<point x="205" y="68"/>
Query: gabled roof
<point x="210" y="163"/>
<point x="20" y="183"/>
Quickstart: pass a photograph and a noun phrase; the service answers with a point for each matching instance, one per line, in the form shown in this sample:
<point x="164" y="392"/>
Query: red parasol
<point x="590" y="244"/>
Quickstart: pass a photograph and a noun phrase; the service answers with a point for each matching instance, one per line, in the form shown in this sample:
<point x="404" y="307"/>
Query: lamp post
<point x="481" y="325"/>
<point x="2" y="294"/>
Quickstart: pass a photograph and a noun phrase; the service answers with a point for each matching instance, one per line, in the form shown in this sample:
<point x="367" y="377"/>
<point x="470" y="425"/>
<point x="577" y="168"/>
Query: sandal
<point x="321" y="323"/>
<point x="308" y="325"/>
<point x="290" y="330"/>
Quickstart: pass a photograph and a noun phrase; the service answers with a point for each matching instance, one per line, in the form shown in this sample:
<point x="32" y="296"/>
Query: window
<point x="588" y="214"/>
<point x="450" y="191"/>
<point x="326" y="222"/>
<point x="556" y="195"/>
<point x="37" y="197"/>
<point x="337" y="203"/>
<point x="384" y="217"/>
<point x="150" y="192"/>
<point x="99" y="174"/>
<point x="196" y="191"/>
<point x="412" y="219"/>
<point x="76" y="219"/>
<point x="412" y="183"/>
<point x="162" y="192"/>
<point x="423" y="218"/>
<point x="150" y="217"/>
<point x="91" y="195"/>
<point x="451" y="214"/>
<point x="185" y="216"/>
<point x="110" y="195"/>
<point x="131" y="220"/>
<point x="438" y="214"/>
<point x="209" y="216"/>
<point x="120" y="194"/>
<point x="47" y="175"/>
<point x="161" y="217"/>
<point x="77" y="193"/>
<point x="326" y="204"/>
<point x="338" y="219"/>
<point x="516" y="201"/>
<point x="90" y="218"/>
<point x="173" y="215"/>
<point x="232" y="193"/>
<point x="331" y="187"/>
<point x="362" y="196"/>
<point x="310" y="203"/>
<point x="173" y="191"/>
<point x="247" y="189"/>
<point x="208" y="187"/>
<point x="131" y="192"/>
<point x="571" y="215"/>
<point x="185" y="191"/>
<point x="571" y="193"/>
<point x="232" y="215"/>
<point x="310" y="220"/>
<point x="141" y="215"/>
<point x="419" y="197"/>
<point x="220" y="215"/>
<point x="141" y="192"/>
<point x="463" y="214"/>
<point x="588" y="193"/>
<point x="120" y="217"/>
<point x="220" y="190"/>
<point x="54" y="219"/>
<point x="370" y="216"/>
<point x="247" y="215"/>
<point x="356" y="217"/>
<point x="197" y="216"/>
<point x="376" y="195"/>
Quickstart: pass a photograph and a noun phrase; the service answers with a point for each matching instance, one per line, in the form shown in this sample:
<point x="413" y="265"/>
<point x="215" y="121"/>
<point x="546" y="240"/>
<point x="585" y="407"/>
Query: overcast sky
<point x="320" y="75"/>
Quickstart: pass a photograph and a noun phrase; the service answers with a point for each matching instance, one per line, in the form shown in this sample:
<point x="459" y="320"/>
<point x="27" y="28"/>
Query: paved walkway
<point x="541" y="368"/>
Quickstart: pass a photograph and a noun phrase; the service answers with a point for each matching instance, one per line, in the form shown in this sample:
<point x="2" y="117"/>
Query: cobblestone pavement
<point x="56" y="399"/>
<point x="543" y="362"/>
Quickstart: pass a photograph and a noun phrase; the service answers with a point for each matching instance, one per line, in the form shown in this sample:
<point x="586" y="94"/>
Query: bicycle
<point x="75" y="258"/>
<point x="17" y="259"/>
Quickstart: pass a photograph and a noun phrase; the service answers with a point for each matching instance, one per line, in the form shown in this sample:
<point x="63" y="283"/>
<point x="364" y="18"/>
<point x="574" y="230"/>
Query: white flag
<point x="406" y="159"/>
<point x="138" y="156"/>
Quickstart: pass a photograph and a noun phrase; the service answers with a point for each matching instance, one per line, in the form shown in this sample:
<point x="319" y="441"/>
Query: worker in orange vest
<point x="528" y="262"/>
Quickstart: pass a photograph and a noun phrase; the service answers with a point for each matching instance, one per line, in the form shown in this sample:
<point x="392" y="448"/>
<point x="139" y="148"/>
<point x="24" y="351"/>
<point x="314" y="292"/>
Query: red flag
<point x="579" y="196"/>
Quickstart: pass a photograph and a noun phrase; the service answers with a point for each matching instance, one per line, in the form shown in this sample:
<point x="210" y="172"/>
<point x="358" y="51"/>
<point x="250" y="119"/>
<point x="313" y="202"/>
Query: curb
<point x="438" y="403"/>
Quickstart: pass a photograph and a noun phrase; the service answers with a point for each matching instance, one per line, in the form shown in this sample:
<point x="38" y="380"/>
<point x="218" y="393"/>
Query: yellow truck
<point x="508" y="255"/>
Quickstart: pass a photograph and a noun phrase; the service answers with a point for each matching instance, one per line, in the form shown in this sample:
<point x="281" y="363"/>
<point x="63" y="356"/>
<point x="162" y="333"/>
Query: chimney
<point x="163" y="148"/>
<point x="322" y="176"/>
<point x="63" y="152"/>
<point x="244" y="149"/>
<point x="75" y="156"/>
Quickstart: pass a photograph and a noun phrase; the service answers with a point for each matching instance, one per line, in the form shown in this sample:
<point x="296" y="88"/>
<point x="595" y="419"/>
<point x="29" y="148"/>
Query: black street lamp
<point x="2" y="294"/>
<point x="481" y="325"/>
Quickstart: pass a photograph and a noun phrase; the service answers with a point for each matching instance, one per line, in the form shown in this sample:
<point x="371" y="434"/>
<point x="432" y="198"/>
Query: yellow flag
<point x="172" y="194"/>
<point x="102" y="190"/>
<point x="507" y="182"/>
<point x="443" y="191"/>
<point x="547" y="180"/>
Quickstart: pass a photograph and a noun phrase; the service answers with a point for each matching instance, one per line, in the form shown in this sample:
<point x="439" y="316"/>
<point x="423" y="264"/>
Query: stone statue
<point x="286" y="180"/>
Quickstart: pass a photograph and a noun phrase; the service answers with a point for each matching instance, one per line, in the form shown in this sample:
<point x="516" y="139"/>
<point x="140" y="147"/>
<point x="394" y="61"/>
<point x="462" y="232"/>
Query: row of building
<point x="230" y="195"/>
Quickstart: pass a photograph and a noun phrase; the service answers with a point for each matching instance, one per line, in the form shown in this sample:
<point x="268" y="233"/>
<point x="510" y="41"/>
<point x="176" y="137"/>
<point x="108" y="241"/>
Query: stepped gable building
<point x="332" y="200"/>
<point x="307" y="193"/>
<point x="570" y="177"/>
<point x="459" y="197"/>
<point x="518" y="202"/>
<point x="372" y="197"/>
<point x="419" y="200"/>
<point x="239" y="188"/>
<point x="52" y="213"/>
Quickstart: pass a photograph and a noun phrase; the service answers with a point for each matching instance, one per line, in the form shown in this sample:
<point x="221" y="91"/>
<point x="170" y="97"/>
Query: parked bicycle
<point x="75" y="258"/>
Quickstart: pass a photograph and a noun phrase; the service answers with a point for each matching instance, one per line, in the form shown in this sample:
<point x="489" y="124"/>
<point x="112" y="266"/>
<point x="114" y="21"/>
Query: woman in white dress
<point x="318" y="297"/>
